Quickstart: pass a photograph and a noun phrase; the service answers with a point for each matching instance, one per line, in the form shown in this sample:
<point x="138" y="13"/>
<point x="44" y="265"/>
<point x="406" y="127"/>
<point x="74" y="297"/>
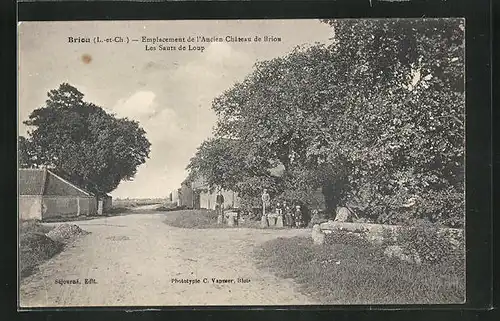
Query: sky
<point x="168" y="92"/>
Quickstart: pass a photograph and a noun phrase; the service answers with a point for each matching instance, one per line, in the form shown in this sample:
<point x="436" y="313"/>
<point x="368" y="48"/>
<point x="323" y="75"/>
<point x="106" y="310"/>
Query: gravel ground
<point x="66" y="233"/>
<point x="131" y="260"/>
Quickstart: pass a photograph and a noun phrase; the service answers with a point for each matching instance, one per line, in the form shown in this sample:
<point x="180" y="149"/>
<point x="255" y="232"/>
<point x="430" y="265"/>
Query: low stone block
<point x="317" y="235"/>
<point x="279" y="221"/>
<point x="344" y="215"/>
<point x="271" y="219"/>
<point x="231" y="221"/>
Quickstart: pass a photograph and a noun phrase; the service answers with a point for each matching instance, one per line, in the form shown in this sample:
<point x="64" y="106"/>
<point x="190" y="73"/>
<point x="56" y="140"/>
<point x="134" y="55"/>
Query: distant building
<point x="43" y="194"/>
<point x="107" y="203"/>
<point x="185" y="196"/>
<point x="174" y="197"/>
<point x="204" y="197"/>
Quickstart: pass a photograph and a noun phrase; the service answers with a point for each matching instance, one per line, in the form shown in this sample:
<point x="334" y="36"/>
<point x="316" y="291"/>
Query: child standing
<point x="298" y="217"/>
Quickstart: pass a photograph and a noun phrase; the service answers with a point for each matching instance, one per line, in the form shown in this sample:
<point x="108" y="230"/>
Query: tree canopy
<point x="374" y="119"/>
<point x="83" y="143"/>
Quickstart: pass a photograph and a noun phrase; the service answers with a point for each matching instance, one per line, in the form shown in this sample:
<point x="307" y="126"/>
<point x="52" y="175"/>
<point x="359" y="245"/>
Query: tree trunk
<point x="328" y="190"/>
<point x="332" y="191"/>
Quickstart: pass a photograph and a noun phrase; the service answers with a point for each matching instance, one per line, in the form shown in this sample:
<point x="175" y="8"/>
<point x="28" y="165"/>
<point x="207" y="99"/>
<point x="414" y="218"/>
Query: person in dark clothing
<point x="219" y="203"/>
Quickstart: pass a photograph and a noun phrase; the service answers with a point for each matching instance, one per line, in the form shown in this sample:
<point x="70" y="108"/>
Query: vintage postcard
<point x="241" y="162"/>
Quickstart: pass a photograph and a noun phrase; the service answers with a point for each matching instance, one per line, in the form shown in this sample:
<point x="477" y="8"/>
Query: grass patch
<point x="200" y="219"/>
<point x="55" y="219"/>
<point x="131" y="203"/>
<point x="33" y="226"/>
<point x="35" y="247"/>
<point x="114" y="211"/>
<point x="192" y="219"/>
<point x="344" y="271"/>
<point x="168" y="207"/>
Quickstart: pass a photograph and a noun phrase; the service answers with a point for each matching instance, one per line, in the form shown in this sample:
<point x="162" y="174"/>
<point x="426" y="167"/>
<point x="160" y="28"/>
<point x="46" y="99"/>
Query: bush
<point x="35" y="248"/>
<point x="428" y="243"/>
<point x="442" y="207"/>
<point x="446" y="207"/>
<point x="347" y="238"/>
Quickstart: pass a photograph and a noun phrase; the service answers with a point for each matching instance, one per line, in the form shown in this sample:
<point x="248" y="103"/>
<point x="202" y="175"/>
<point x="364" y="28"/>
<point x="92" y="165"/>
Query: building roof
<point x="45" y="182"/>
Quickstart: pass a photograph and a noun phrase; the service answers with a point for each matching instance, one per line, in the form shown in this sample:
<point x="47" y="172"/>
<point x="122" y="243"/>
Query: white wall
<point x="30" y="207"/>
<point x="231" y="199"/>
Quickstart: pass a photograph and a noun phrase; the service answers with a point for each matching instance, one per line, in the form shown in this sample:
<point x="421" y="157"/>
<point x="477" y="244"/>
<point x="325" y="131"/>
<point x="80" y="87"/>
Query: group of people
<point x="292" y="216"/>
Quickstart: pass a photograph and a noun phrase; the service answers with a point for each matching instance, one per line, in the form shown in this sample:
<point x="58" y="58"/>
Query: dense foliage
<point x="83" y="143"/>
<point x="375" y="119"/>
<point x="428" y="244"/>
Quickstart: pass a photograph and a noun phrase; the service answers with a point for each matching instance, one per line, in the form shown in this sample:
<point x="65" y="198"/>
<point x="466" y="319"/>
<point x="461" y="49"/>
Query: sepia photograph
<point x="241" y="162"/>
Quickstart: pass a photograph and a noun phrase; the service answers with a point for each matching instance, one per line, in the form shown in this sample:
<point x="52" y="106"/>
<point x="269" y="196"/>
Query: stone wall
<point x="387" y="235"/>
<point x="377" y="232"/>
<point x="30" y="207"/>
<point x="56" y="206"/>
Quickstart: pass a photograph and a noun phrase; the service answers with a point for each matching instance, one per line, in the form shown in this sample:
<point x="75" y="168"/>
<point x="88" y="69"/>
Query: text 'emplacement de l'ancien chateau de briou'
<point x="159" y="43"/>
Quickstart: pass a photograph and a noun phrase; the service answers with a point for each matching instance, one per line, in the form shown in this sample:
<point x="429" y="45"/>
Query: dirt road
<point x="131" y="260"/>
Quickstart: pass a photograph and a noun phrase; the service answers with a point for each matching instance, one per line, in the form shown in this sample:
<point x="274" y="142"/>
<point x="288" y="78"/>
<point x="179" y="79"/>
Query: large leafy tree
<point x="228" y="164"/>
<point x="25" y="153"/>
<point x="407" y="127"/>
<point x="375" y="118"/>
<point x="82" y="142"/>
<point x="266" y="130"/>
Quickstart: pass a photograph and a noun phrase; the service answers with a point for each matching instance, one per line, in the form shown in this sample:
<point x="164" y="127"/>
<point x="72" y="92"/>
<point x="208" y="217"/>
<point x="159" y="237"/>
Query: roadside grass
<point x="56" y="219"/>
<point x="131" y="203"/>
<point x="347" y="271"/>
<point x="34" y="246"/>
<point x="167" y="207"/>
<point x="200" y="219"/>
<point x="114" y="211"/>
<point x="33" y="226"/>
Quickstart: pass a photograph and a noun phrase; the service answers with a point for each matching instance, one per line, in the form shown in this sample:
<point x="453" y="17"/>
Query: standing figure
<point x="219" y="203"/>
<point x="266" y="201"/>
<point x="279" y="216"/>
<point x="298" y="217"/>
<point x="275" y="218"/>
<point x="279" y="209"/>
